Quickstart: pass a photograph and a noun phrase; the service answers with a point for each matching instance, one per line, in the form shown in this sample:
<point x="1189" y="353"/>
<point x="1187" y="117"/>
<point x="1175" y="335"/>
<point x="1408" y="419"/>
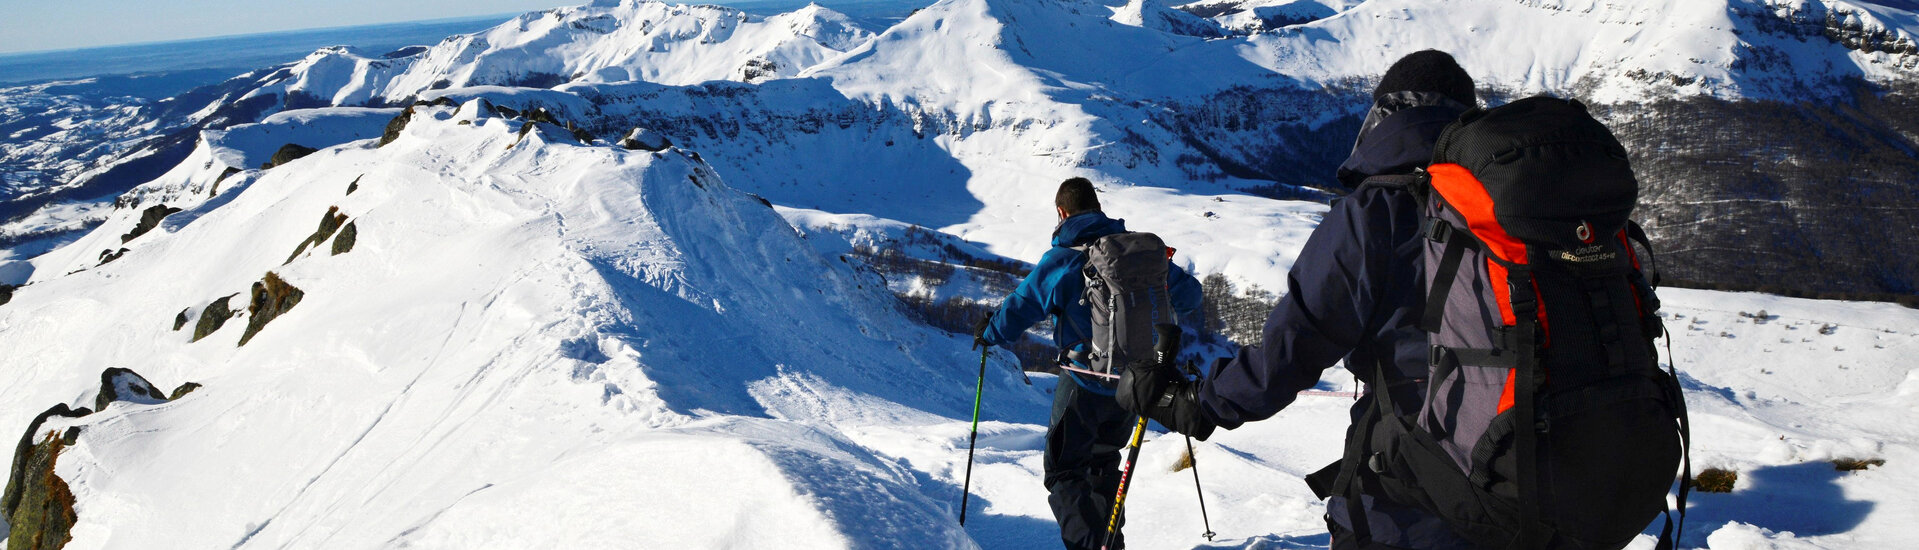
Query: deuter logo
<point x="1584" y="232"/>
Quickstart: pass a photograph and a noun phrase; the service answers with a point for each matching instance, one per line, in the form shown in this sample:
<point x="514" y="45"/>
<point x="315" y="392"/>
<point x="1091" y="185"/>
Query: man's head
<point x="1075" y="197"/>
<point x="1428" y="71"/>
<point x="1415" y="100"/>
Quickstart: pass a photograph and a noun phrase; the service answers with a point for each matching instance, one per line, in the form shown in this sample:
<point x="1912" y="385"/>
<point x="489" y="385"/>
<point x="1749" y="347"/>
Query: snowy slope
<point x="1607" y="50"/>
<point x="606" y="41"/>
<point x="525" y="324"/>
<point x="538" y="342"/>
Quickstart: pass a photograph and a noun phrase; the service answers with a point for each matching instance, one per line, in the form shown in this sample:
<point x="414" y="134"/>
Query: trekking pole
<point x="966" y="486"/>
<point x="1194" y="457"/>
<point x="1202" y="493"/>
<point x="1125" y="477"/>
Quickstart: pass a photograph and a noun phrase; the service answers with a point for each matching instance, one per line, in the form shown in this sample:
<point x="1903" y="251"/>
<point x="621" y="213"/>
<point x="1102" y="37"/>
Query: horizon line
<point x="55" y="51"/>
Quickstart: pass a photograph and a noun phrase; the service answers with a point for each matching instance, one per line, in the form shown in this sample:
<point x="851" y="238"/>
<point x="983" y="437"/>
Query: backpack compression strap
<point x="1669" y="535"/>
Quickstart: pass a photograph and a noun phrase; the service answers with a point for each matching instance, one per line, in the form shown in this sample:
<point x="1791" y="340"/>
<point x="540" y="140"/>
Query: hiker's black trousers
<point x="1084" y="441"/>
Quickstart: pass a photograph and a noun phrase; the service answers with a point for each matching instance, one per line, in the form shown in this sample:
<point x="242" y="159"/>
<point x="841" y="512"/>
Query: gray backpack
<point x="1126" y="289"/>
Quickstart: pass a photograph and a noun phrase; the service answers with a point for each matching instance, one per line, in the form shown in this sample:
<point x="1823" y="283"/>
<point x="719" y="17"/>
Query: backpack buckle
<point x="1438" y="230"/>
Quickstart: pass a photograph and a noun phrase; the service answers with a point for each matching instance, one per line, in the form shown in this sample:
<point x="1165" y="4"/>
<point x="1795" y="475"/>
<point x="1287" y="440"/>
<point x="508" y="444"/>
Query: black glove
<point x="1158" y="391"/>
<point x="979" y="332"/>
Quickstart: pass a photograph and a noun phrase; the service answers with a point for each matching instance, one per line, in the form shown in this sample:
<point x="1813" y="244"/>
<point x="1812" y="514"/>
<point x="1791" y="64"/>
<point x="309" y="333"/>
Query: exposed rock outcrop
<point x="212" y="318"/>
<point x="329" y="223"/>
<point x="122" y="384"/>
<point x="287" y="153"/>
<point x="38" y="504"/>
<point x="183" y="390"/>
<point x="343" y="243"/>
<point x="645" y="140"/>
<point x="109" y="255"/>
<point x="149" y="219"/>
<point x="395" y="126"/>
<point x="271" y="298"/>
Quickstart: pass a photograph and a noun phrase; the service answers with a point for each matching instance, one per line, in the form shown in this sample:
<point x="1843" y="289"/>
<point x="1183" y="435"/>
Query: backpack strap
<point x="1638" y="234"/>
<point x="1457" y="243"/>
<point x="1419" y="183"/>
<point x="1668" y="536"/>
<point x="1533" y="533"/>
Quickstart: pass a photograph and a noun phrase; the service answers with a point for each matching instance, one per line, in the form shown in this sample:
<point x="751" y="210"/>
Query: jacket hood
<point x="1398" y="135"/>
<point x="1084" y="227"/>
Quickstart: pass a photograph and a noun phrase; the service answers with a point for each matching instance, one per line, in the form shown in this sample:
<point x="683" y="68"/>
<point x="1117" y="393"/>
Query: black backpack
<point x="1126" y="291"/>
<point x="1548" y="422"/>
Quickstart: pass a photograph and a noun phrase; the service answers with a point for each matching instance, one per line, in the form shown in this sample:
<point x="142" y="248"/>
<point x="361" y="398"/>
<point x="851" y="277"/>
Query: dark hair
<point x="1076" y="196"/>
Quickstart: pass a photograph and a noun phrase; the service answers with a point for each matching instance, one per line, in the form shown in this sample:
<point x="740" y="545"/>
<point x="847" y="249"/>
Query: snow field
<point x="513" y="313"/>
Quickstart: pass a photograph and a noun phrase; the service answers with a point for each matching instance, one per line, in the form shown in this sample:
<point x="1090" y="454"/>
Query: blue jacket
<point x="1355" y="293"/>
<point x="1055" y="285"/>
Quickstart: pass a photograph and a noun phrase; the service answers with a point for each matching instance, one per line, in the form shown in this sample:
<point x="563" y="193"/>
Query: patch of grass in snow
<point x="1856" y="464"/>
<point x="1715" y="480"/>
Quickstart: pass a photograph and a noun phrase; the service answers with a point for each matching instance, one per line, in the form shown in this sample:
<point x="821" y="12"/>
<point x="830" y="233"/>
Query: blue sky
<point x="34" y="25"/>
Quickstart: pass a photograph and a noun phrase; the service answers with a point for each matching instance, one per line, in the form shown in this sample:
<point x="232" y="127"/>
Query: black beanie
<point x="1428" y="71"/>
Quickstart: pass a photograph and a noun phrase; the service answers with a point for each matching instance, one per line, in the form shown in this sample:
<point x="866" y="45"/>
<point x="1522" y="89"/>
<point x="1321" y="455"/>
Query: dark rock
<point x="329" y="223"/>
<point x="395" y="126"/>
<point x="287" y="153"/>
<point x="506" y="111"/>
<point x="540" y="114"/>
<point x="212" y="318"/>
<point x="109" y="255"/>
<point x="149" y="219"/>
<point x="38" y="504"/>
<point x="343" y="242"/>
<point x="441" y="101"/>
<point x="183" y="390"/>
<point x="272" y="297"/>
<point x="121" y="384"/>
<point x="355" y="186"/>
<point x="6" y="294"/>
<point x="181" y="319"/>
<point x="408" y="51"/>
<point x="645" y="140"/>
<point x="214" y="190"/>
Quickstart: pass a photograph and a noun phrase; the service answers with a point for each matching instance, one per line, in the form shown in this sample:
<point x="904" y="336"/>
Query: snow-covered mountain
<point x="522" y="319"/>
<point x="531" y="341"/>
<point x="606" y="41"/>
<point x="508" y="329"/>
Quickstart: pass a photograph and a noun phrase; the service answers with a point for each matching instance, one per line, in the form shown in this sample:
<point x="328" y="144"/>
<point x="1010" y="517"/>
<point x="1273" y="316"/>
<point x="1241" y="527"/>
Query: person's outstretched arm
<point x="1332" y="295"/>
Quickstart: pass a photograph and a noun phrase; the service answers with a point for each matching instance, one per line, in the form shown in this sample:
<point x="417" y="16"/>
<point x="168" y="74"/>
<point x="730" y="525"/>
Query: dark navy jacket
<point x="1354" y="294"/>
<point x="1055" y="285"/>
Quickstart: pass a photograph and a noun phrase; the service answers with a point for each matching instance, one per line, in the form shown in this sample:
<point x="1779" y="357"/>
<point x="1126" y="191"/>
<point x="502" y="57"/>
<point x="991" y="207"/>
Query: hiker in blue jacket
<point x="1354" y="294"/>
<point x="1087" y="429"/>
